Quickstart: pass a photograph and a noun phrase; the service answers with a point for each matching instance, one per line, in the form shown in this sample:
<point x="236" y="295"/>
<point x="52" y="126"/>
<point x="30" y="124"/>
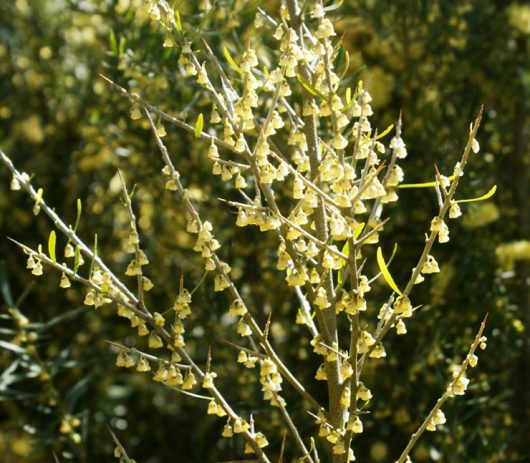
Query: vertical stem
<point x="310" y="129"/>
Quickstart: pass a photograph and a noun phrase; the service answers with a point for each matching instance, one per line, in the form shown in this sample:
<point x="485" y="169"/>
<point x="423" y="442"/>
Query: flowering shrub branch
<point x="290" y="132"/>
<point x="457" y="386"/>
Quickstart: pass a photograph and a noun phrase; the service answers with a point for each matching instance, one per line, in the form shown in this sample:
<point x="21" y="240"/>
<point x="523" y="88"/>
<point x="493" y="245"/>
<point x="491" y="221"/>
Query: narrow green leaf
<point x="386" y="274"/>
<point x="123" y="43"/>
<point x="334" y="6"/>
<point x="198" y="125"/>
<point x="346" y="66"/>
<point x="422" y="185"/>
<point x="77" y="258"/>
<point x="346" y="250"/>
<point x="133" y="190"/>
<point x="198" y="285"/>
<point x="52" y="241"/>
<point x="113" y="45"/>
<point x="104" y="290"/>
<point x="95" y="252"/>
<point x="231" y="61"/>
<point x="166" y="54"/>
<point x="178" y="23"/>
<point x="307" y="85"/>
<point x="95" y="244"/>
<point x="390" y="260"/>
<point x="488" y="195"/>
<point x="340" y="276"/>
<point x="79" y="210"/>
<point x="352" y="78"/>
<point x="348" y="95"/>
<point x="385" y="132"/>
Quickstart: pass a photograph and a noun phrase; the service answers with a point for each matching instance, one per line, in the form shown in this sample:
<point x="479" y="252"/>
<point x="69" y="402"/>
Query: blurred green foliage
<point x="435" y="61"/>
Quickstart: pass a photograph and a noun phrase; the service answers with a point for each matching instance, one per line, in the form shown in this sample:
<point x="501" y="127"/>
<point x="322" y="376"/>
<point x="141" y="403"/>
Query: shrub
<point x="300" y="160"/>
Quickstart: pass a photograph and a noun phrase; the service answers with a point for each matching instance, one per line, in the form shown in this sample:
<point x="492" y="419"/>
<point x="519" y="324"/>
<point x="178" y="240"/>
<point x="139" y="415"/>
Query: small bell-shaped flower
<point x="155" y="341"/>
<point x="143" y="365"/>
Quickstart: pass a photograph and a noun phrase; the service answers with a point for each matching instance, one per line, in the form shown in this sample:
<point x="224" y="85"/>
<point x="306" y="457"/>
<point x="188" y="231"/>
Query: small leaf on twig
<point x="178" y="23"/>
<point x="385" y="132"/>
<point x="231" y="61"/>
<point x="334" y="6"/>
<point x="308" y="86"/>
<point x="113" y="45"/>
<point x="52" y="240"/>
<point x="77" y="258"/>
<point x="423" y="185"/>
<point x="198" y="125"/>
<point x="488" y="195"/>
<point x="346" y="249"/>
<point x="386" y="274"/>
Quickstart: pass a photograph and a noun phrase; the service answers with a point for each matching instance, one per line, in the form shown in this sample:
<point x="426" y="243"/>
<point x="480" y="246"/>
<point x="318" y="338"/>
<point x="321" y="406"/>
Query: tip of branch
<point x="105" y="78"/>
<point x="16" y="242"/>
<point x="122" y="180"/>
<point x="113" y="84"/>
<point x="380" y="168"/>
<point x="181" y="280"/>
<point x="479" y="115"/>
<point x="267" y="326"/>
<point x="114" y="438"/>
<point x="209" y="359"/>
